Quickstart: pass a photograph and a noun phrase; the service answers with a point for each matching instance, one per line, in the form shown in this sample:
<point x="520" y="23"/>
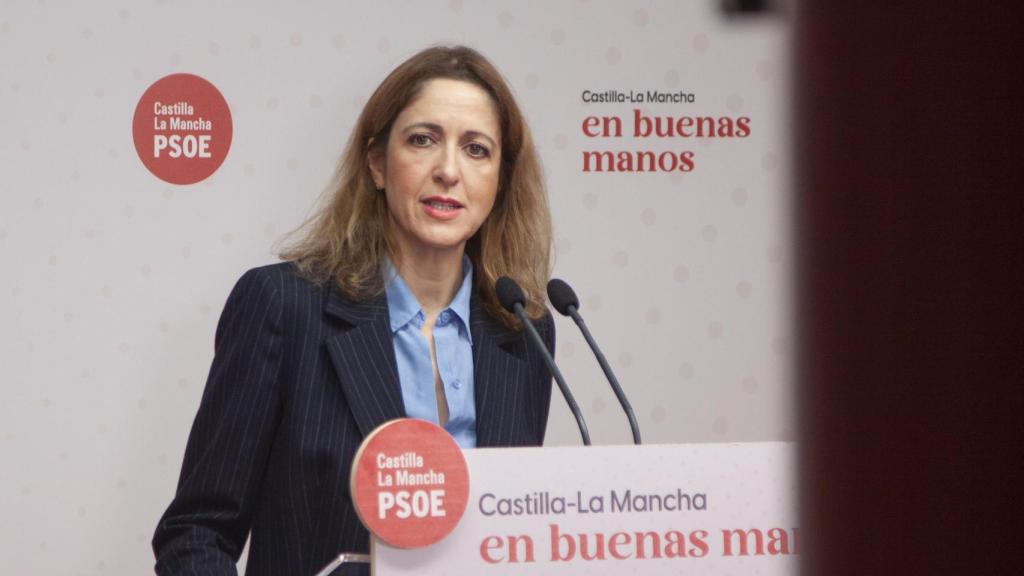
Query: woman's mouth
<point x="441" y="208"/>
<point x="442" y="205"/>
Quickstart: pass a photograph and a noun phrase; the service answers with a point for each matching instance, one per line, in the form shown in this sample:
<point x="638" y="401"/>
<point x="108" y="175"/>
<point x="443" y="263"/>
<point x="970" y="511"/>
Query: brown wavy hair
<point x="346" y="239"/>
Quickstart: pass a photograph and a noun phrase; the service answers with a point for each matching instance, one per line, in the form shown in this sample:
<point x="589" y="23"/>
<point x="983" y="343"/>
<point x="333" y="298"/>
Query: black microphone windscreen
<point x="509" y="293"/>
<point x="562" y="296"/>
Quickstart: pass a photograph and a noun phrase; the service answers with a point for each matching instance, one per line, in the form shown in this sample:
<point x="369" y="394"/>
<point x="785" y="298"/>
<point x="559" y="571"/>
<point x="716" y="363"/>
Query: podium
<point x="653" y="509"/>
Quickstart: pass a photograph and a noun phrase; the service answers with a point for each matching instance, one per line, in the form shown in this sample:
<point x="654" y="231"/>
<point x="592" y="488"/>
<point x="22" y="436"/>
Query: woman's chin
<point x="439" y="243"/>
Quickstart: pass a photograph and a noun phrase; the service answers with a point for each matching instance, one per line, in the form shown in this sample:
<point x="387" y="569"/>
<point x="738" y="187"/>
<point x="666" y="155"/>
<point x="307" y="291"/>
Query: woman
<point x="385" y="307"/>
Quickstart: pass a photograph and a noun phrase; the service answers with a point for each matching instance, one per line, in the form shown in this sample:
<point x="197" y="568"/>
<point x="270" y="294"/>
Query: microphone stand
<point x="626" y="406"/>
<point x="573" y="407"/>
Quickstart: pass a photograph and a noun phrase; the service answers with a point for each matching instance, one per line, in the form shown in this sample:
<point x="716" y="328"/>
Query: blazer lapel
<point x="364" y="357"/>
<point x="498" y="371"/>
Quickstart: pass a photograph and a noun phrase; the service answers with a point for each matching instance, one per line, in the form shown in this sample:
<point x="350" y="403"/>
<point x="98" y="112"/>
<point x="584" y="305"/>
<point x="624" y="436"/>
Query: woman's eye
<point x="420" y="140"/>
<point x="478" y="150"/>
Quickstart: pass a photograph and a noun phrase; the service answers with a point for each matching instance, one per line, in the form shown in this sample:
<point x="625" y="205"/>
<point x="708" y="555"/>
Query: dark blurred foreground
<point x="911" y="223"/>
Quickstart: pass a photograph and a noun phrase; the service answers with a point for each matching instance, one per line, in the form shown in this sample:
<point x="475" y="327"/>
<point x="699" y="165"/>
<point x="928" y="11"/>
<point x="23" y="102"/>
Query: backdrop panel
<point x="113" y="280"/>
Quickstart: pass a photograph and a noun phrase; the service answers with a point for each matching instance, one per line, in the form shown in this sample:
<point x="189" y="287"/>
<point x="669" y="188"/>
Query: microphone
<point x="564" y="299"/>
<point x="510" y="295"/>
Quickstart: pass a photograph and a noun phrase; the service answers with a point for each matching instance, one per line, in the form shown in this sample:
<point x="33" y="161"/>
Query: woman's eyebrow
<point x="428" y="125"/>
<point x="471" y="134"/>
<point x="436" y="128"/>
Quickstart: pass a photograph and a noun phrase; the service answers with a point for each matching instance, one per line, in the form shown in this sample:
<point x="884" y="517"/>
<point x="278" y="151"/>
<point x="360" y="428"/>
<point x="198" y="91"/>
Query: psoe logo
<point x="182" y="129"/>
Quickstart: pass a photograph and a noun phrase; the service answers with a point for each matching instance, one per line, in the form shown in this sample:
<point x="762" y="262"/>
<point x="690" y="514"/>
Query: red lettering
<point x="490" y="544"/>
<point x="675" y="544"/>
<point x="556" y="545"/>
<point x="599" y="161"/>
<point x="725" y="127"/>
<point x="778" y="542"/>
<point x="655" y="540"/>
<point x="748" y="541"/>
<point x="518" y="546"/>
<point x="698" y="539"/>
<point x="705" y="126"/>
<point x="597" y="553"/>
<point x="513" y="548"/>
<point x="686" y="161"/>
<point x="611" y="126"/>
<point x="667" y="162"/>
<point x="641" y="125"/>
<point x="743" y="127"/>
<point x="618" y="539"/>
<point x="683" y="125"/>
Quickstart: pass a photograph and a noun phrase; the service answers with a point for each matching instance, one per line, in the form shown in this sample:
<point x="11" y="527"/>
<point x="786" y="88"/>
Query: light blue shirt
<point x="453" y="345"/>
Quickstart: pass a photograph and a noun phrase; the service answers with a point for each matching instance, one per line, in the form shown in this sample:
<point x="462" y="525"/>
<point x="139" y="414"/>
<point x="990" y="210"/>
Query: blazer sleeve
<point x="205" y="527"/>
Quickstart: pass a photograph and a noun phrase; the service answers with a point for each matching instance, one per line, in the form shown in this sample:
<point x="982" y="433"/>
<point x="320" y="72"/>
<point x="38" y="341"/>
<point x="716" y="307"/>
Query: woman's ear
<point x="375" y="160"/>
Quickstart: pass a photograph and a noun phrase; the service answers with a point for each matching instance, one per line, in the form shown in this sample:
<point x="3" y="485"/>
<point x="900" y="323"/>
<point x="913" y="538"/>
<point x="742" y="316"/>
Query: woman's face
<point x="440" y="170"/>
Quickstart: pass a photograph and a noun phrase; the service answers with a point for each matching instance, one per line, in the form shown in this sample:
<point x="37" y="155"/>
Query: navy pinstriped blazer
<point x="300" y="375"/>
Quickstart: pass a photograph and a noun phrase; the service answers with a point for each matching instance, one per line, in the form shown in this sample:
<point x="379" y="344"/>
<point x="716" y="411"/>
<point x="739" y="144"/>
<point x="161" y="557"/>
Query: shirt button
<point x="444" y="318"/>
<point x="456" y="384"/>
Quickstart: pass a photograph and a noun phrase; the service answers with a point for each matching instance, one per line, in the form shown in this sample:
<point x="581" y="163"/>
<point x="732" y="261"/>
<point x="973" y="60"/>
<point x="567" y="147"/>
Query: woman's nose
<point x="447" y="170"/>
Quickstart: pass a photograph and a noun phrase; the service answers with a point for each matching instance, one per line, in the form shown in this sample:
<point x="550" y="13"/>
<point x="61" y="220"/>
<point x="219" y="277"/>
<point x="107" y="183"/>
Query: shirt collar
<point x="403" y="306"/>
<point x="460" y="303"/>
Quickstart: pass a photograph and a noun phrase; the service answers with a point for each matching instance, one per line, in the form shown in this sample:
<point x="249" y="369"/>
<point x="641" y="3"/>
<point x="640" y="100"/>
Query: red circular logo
<point x="410" y="483"/>
<point x="182" y="129"/>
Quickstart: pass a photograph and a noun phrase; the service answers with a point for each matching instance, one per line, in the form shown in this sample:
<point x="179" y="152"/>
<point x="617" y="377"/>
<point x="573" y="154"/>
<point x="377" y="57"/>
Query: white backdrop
<point x="113" y="280"/>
